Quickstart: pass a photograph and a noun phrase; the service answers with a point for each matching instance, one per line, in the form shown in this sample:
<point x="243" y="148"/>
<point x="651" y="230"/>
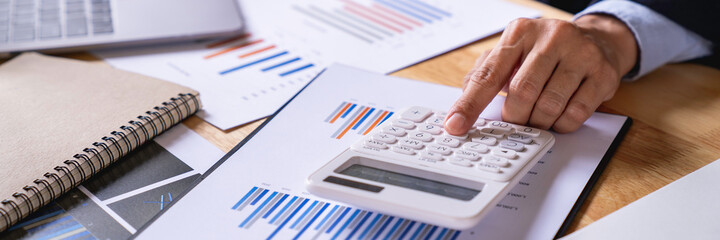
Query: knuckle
<point x="573" y="74"/>
<point x="484" y="77"/>
<point x="550" y="105"/>
<point x="466" y="105"/>
<point x="520" y="23"/>
<point x="523" y="90"/>
<point x="560" y="28"/>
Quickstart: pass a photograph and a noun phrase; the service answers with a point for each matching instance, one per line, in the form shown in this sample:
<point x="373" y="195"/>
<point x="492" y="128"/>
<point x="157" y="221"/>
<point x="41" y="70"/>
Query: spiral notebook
<point x="62" y="121"/>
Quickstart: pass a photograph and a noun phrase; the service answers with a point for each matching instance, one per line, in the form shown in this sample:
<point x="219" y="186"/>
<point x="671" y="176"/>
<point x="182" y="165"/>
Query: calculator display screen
<point x="411" y="182"/>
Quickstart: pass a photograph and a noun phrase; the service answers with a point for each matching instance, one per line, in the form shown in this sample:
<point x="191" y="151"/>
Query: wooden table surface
<point x="676" y="130"/>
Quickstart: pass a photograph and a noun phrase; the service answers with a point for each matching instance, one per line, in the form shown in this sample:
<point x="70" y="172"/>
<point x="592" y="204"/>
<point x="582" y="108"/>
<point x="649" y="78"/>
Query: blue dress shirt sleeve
<point x="659" y="39"/>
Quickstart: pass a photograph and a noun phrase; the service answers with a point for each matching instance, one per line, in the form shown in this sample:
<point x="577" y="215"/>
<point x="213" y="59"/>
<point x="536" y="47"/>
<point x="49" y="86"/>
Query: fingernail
<point x="456" y="122"/>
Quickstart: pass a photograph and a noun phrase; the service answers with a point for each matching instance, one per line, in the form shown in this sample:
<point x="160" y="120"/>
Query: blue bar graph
<point x="283" y="209"/>
<point x="327" y="217"/>
<point x="252" y="63"/>
<point x="306" y="218"/>
<point x="431" y="7"/>
<point x="382" y="228"/>
<point x="312" y="220"/>
<point x="405" y="11"/>
<point x="244" y="198"/>
<point x="296" y="70"/>
<point x="276" y="205"/>
<point x="280" y="64"/>
<point x="259" y="197"/>
<point x="418" y="9"/>
<point x="338" y="220"/>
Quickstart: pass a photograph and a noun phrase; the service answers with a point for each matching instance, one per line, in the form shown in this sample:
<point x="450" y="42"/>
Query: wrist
<point x="614" y="37"/>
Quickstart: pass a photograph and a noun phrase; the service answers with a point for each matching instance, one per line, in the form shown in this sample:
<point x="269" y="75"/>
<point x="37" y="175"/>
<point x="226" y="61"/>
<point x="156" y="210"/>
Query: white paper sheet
<point x="302" y="37"/>
<point x="301" y="138"/>
<point x="685" y="209"/>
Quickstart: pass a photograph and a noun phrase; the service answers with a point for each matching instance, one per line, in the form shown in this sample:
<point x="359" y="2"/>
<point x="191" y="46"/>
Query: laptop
<point x="53" y="26"/>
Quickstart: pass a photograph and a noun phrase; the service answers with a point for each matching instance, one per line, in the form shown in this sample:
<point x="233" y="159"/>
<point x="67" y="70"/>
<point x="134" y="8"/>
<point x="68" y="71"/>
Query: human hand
<point x="557" y="73"/>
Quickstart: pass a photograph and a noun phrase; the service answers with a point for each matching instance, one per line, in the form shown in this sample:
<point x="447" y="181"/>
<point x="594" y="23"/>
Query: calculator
<point x="410" y="167"/>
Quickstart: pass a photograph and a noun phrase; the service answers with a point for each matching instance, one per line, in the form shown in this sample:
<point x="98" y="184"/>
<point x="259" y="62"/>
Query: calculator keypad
<point x="493" y="150"/>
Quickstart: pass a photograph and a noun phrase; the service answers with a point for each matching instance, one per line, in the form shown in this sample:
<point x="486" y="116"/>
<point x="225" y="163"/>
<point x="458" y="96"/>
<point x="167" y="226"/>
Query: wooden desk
<point x="676" y="130"/>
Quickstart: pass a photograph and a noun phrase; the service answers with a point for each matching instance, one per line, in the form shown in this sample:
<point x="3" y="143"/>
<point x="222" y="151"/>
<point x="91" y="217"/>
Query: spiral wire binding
<point x="127" y="132"/>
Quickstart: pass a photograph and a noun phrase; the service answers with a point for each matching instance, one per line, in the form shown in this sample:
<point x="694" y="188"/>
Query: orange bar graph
<point x="233" y="48"/>
<point x="377" y="121"/>
<point x="341" y="112"/>
<point x="257" y="51"/>
<point x="353" y="122"/>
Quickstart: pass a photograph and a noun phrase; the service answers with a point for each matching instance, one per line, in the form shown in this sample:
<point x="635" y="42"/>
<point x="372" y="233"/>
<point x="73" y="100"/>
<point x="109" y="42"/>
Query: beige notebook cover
<point x="63" y="120"/>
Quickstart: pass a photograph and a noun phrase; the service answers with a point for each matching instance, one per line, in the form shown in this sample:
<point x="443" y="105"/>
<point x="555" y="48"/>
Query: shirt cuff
<point x="659" y="39"/>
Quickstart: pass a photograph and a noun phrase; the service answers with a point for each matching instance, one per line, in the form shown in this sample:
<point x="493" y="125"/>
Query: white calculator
<point x="410" y="167"/>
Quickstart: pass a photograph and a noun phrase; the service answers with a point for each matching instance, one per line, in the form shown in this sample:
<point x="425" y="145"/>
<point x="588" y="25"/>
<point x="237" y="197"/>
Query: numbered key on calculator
<point x="492" y="149"/>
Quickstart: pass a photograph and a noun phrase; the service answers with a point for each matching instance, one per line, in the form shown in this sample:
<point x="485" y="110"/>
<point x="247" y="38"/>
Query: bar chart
<point x="287" y="215"/>
<point x="361" y="119"/>
<point x="266" y="56"/>
<point x="377" y="20"/>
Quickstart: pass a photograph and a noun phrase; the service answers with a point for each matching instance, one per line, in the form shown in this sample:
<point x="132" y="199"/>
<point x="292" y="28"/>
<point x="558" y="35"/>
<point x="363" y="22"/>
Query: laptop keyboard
<point x="31" y="20"/>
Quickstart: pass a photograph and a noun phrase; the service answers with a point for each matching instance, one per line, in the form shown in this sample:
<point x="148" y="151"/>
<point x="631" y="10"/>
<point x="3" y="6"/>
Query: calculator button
<point x="442" y="114"/>
<point x="384" y="137"/>
<point x="479" y="122"/>
<point x="403" y="124"/>
<point x="414" y="144"/>
<point x="506" y="153"/>
<point x="448" y="141"/>
<point x="476" y="147"/>
<point x="436" y="120"/>
<point x="533" y="132"/>
<point x="403" y="150"/>
<point x="493" y="132"/>
<point x="500" y="125"/>
<point x="512" y="145"/>
<point x="416" y="114"/>
<point x="432" y="156"/>
<point x="520" y="138"/>
<point x="487" y="140"/>
<point x="461" y="162"/>
<point x="469" y="155"/>
<point x="396" y="131"/>
<point x="459" y="137"/>
<point x="444" y="150"/>
<point x="488" y="167"/>
<point x="497" y="161"/>
<point x="422" y="136"/>
<point x="375" y="144"/>
<point x="429" y="128"/>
